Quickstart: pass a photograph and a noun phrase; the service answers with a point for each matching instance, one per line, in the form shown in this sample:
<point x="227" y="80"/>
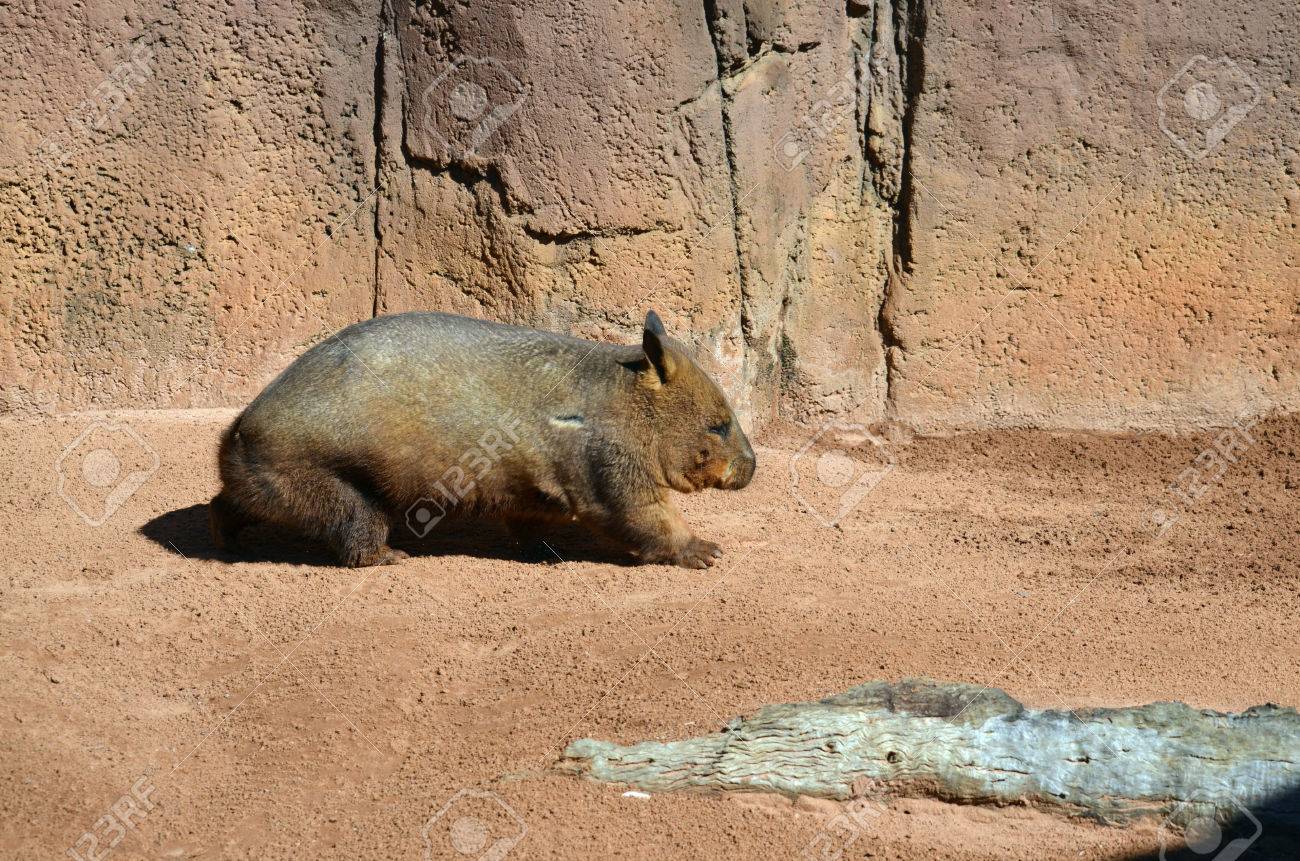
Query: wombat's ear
<point x="655" y="343"/>
<point x="653" y="323"/>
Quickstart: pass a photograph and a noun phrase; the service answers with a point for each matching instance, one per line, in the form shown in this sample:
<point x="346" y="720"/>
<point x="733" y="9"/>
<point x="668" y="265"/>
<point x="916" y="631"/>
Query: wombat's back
<point x="415" y="362"/>
<point x="404" y="397"/>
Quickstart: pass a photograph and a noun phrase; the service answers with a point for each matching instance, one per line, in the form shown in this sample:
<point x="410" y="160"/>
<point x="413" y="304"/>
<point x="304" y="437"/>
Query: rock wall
<point x="946" y="214"/>
<point x="188" y="195"/>
<point x="1070" y="263"/>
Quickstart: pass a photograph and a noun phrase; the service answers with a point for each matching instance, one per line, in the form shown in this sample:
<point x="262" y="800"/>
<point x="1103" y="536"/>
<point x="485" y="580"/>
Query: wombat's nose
<point x="742" y="468"/>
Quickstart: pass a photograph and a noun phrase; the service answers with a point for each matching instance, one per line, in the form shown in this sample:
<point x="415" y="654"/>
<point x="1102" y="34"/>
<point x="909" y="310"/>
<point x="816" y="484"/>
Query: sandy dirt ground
<point x="279" y="706"/>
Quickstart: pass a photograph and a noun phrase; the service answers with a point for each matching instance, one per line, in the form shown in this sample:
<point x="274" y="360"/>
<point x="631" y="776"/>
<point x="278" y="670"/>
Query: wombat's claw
<point x="382" y="556"/>
<point x="393" y="556"/>
<point x="699" y="554"/>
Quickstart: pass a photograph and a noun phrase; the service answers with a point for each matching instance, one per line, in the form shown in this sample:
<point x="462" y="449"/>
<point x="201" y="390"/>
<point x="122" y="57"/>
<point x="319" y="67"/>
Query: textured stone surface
<point x="592" y="185"/>
<point x="1069" y="265"/>
<point x="164" y="223"/>
<point x="948" y="214"/>
<point x="970" y="744"/>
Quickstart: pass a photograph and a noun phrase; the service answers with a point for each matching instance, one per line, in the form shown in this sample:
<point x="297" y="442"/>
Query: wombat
<point x="418" y="416"/>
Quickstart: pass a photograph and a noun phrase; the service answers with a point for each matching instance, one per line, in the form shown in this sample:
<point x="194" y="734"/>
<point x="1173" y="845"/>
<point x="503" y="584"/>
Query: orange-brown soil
<point x="284" y="707"/>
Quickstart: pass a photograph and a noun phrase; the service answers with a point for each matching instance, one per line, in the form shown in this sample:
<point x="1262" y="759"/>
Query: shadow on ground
<point x="184" y="531"/>
<point x="1270" y="832"/>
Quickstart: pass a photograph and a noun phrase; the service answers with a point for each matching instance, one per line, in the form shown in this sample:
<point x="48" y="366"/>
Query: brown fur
<point x="436" y="412"/>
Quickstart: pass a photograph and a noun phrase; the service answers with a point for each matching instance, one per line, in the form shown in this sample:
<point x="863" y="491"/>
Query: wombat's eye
<point x="722" y="429"/>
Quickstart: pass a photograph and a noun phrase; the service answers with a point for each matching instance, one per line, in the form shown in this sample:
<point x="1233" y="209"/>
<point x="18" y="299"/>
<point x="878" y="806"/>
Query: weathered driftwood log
<point x="967" y="744"/>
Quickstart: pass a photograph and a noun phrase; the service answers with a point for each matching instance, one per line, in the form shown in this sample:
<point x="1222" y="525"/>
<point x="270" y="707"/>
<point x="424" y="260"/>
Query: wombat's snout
<point x="740" y="471"/>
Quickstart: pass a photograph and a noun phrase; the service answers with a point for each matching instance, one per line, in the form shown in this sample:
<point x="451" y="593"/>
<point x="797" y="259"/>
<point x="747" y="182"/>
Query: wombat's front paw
<point x="393" y="556"/>
<point x="698" y="554"/>
<point x="379" y="556"/>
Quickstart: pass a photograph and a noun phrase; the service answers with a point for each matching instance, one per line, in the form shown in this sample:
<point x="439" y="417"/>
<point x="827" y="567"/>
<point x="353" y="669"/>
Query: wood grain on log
<point x="967" y="744"/>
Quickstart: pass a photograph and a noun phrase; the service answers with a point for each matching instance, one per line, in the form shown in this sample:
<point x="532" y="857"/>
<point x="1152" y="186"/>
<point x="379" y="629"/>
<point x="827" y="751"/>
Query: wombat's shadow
<point x="184" y="531"/>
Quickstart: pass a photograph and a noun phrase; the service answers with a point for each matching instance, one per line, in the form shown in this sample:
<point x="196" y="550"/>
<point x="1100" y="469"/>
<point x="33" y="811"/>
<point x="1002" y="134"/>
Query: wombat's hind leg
<point x="357" y="529"/>
<point x="225" y="522"/>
